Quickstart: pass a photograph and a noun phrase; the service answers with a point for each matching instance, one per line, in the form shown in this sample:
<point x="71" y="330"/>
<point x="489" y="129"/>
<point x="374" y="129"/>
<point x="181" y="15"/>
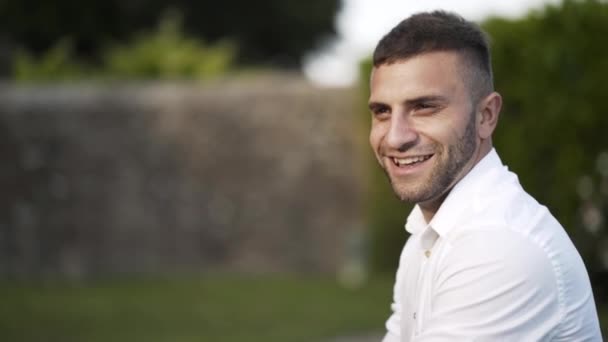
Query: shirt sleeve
<point x="491" y="286"/>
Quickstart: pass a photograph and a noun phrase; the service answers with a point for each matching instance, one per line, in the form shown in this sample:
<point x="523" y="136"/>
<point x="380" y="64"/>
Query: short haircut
<point x="440" y="31"/>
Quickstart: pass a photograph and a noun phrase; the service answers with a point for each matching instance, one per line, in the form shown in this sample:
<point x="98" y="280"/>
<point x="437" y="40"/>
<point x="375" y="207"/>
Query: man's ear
<point x="487" y="115"/>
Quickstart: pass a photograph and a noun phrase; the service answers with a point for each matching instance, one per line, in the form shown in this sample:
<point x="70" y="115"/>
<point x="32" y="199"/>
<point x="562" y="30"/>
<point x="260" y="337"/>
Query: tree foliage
<point x="165" y="53"/>
<point x="550" y="68"/>
<point x="270" y="32"/>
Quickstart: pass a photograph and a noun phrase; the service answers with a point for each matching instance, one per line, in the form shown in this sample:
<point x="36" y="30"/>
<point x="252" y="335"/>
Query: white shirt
<point x="492" y="265"/>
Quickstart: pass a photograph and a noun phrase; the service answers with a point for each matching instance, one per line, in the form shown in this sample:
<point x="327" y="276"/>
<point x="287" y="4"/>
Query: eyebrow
<point x="425" y="99"/>
<point x="417" y="100"/>
<point x="377" y="105"/>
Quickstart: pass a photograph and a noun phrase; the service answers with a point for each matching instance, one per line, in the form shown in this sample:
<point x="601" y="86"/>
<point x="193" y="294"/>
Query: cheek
<point x="375" y="136"/>
<point x="442" y="131"/>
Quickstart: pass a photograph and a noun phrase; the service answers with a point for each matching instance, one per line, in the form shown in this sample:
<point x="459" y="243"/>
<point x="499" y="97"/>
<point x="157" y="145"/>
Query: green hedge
<point x="550" y="66"/>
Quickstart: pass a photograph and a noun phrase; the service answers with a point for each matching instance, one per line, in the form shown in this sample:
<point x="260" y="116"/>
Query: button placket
<point x="427" y="242"/>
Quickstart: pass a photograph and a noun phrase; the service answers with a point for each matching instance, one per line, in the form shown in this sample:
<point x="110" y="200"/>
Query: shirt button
<point x="414" y="315"/>
<point x="427" y="253"/>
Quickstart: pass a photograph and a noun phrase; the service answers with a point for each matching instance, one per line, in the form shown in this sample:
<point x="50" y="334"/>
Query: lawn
<point x="218" y="308"/>
<point x="181" y="309"/>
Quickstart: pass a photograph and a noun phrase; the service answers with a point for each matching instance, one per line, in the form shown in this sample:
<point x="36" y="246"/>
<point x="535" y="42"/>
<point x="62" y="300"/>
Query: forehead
<point x="433" y="73"/>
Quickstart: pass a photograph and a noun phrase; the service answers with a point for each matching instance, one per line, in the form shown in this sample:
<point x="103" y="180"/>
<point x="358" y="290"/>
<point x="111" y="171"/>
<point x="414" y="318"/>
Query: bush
<point x="163" y="54"/>
<point x="550" y="67"/>
<point x="54" y="65"/>
<point x="167" y="54"/>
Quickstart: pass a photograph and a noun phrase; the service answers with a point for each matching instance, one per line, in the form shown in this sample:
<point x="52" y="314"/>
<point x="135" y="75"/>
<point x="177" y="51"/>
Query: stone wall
<point x="261" y="174"/>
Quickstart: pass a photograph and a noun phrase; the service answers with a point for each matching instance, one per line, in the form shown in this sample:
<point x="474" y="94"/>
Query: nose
<point x="401" y="135"/>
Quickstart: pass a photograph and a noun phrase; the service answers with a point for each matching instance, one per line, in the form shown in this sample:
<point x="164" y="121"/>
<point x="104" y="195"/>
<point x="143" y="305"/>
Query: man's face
<point x="423" y="129"/>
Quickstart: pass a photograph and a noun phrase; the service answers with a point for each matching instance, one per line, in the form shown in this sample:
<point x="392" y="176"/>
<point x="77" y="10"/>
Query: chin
<point x="409" y="194"/>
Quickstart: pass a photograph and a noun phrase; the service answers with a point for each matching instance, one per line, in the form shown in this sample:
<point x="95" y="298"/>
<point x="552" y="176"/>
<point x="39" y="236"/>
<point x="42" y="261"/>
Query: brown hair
<point x="440" y="31"/>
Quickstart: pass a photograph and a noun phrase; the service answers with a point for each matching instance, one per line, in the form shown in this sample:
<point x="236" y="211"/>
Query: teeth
<point x="410" y="160"/>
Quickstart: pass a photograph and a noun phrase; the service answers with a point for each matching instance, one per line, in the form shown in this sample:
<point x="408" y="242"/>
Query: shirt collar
<point x="465" y="193"/>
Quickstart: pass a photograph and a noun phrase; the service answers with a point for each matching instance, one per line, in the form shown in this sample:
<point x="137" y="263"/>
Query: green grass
<point x="212" y="308"/>
<point x="218" y="308"/>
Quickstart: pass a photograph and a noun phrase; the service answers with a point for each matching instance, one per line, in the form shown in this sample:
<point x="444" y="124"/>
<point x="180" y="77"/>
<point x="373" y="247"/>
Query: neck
<point x="429" y="208"/>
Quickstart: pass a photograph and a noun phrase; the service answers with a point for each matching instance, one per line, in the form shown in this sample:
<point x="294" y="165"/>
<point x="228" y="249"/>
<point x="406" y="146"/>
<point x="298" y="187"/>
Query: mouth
<point x="410" y="162"/>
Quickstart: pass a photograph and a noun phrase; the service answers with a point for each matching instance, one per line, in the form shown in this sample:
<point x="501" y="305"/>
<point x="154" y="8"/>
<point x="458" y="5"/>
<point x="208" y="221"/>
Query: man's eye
<point x="380" y="111"/>
<point x="423" y="106"/>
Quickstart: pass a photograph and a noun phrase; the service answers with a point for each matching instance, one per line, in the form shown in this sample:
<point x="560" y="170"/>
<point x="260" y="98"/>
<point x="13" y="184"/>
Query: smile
<point x="410" y="161"/>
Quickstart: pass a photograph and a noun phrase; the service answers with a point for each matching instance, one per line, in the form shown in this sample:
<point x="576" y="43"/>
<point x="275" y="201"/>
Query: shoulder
<point x="502" y="252"/>
<point x="521" y="272"/>
<point x="498" y="236"/>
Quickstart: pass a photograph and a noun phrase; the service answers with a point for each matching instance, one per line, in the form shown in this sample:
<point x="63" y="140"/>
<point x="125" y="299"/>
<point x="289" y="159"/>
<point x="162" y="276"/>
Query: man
<point x="484" y="261"/>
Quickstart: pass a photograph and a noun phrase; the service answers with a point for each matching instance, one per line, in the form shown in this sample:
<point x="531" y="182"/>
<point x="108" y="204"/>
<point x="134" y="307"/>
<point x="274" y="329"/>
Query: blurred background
<point x="199" y="171"/>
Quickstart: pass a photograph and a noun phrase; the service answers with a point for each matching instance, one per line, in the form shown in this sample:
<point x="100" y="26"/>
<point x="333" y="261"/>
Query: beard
<point x="448" y="164"/>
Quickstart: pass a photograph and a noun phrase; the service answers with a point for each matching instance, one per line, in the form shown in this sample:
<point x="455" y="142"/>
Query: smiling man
<point x="484" y="261"/>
